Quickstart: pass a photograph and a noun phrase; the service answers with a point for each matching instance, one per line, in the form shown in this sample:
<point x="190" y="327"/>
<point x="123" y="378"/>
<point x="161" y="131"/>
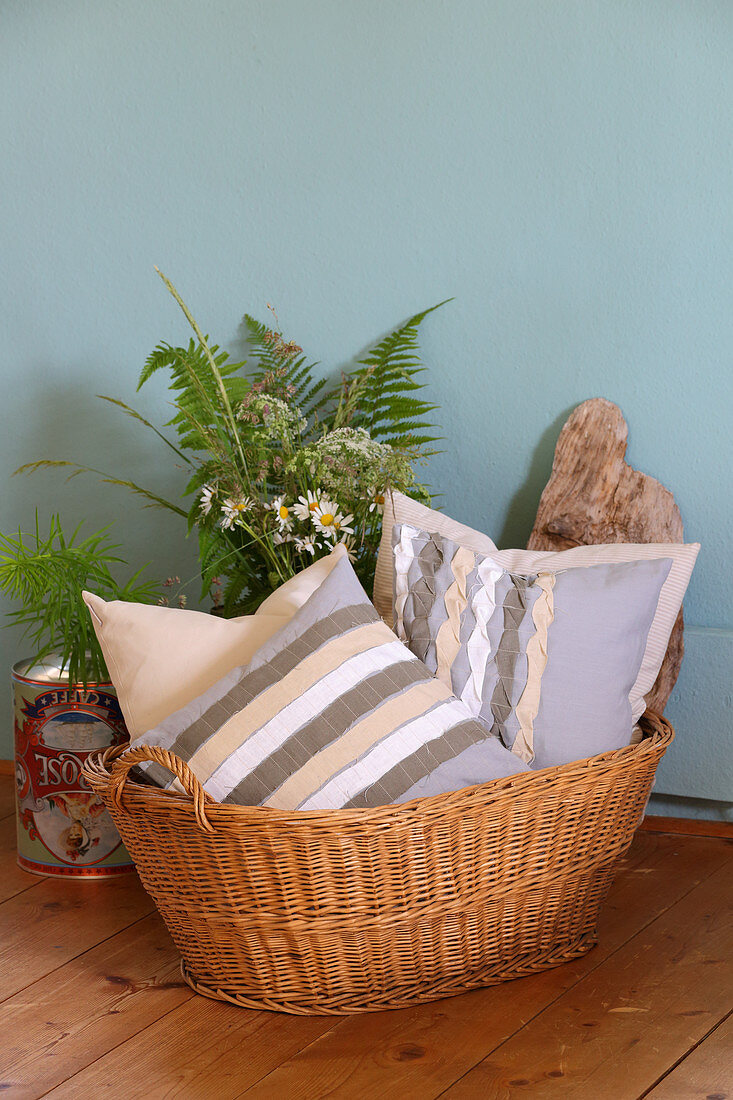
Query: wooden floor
<point x="91" y="1004"/>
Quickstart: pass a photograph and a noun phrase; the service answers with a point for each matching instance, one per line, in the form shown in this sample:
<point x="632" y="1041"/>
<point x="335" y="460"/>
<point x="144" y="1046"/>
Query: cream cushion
<point x="161" y="658"/>
<point x="400" y="509"/>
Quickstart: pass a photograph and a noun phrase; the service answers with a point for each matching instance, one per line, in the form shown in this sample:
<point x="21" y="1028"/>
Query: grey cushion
<point x="546" y="660"/>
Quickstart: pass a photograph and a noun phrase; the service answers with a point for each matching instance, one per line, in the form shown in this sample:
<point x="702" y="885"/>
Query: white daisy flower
<point x="232" y="509"/>
<point x="306" y="545"/>
<point x="324" y="517"/>
<point x="377" y="504"/>
<point x="324" y="507"/>
<point x="306" y="505"/>
<point x="282" y="536"/>
<point x="330" y="522"/>
<point x="282" y="513"/>
<point x="207" y="499"/>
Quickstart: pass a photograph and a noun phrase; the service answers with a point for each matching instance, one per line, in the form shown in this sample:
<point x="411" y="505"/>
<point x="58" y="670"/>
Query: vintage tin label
<point x="63" y="827"/>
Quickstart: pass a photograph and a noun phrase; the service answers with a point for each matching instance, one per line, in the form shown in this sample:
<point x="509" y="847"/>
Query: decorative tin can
<point x="63" y="827"/>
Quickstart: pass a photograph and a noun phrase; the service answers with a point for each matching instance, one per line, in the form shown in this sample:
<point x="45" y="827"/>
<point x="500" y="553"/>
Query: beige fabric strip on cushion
<point x="447" y="642"/>
<point x="543" y="613"/>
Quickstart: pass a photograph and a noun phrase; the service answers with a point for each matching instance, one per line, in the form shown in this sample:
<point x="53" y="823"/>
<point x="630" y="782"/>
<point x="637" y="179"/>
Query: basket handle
<point x="125" y="757"/>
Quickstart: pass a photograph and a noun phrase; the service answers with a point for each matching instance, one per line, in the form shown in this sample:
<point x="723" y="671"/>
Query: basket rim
<point x="659" y="734"/>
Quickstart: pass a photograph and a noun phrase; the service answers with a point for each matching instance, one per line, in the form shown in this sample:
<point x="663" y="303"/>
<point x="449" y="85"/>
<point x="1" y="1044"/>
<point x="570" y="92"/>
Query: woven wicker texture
<point x="355" y="910"/>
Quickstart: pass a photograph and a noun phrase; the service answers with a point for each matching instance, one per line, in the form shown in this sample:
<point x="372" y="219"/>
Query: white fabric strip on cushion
<point x="404" y="555"/>
<point x="478" y="647"/>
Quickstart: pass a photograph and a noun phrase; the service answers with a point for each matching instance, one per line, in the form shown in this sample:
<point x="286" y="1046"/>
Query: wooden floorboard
<point x="204" y="1049"/>
<point x="63" y="1022"/>
<point x="94" y="1004"/>
<point x="707" y="1071"/>
<point x="7" y="796"/>
<point x="56" y="920"/>
<point x="12" y="879"/>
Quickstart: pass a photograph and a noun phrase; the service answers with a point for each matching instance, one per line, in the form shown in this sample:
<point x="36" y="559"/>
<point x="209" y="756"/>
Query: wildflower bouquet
<point x="304" y="490"/>
<point x="282" y="468"/>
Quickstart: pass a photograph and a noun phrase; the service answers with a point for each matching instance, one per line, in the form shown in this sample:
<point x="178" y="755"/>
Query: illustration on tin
<point x="57" y="731"/>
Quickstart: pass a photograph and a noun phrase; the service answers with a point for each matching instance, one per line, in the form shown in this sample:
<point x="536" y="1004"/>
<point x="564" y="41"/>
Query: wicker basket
<point x="354" y="910"/>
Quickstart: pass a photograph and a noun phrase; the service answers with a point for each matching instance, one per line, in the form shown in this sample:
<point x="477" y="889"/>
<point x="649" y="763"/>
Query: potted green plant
<point x="65" y="705"/>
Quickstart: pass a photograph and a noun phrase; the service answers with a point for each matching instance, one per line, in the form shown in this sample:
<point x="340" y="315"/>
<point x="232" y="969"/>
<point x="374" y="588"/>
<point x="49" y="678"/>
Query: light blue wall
<point x="564" y="169"/>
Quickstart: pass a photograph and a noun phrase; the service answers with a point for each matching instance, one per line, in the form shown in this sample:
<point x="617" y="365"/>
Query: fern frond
<point x="260" y="345"/>
<point x="379" y="394"/>
<point x="297" y="384"/>
<point x="215" y="398"/>
<point x="236" y="587"/>
<point x="213" y="554"/>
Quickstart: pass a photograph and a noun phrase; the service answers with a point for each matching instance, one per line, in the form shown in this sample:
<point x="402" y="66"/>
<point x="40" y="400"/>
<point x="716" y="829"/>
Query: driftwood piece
<point x="593" y="496"/>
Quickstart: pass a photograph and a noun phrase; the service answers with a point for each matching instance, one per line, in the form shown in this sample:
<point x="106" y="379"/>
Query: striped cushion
<point x="548" y="660"/>
<point x="401" y="509"/>
<point x="333" y="711"/>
